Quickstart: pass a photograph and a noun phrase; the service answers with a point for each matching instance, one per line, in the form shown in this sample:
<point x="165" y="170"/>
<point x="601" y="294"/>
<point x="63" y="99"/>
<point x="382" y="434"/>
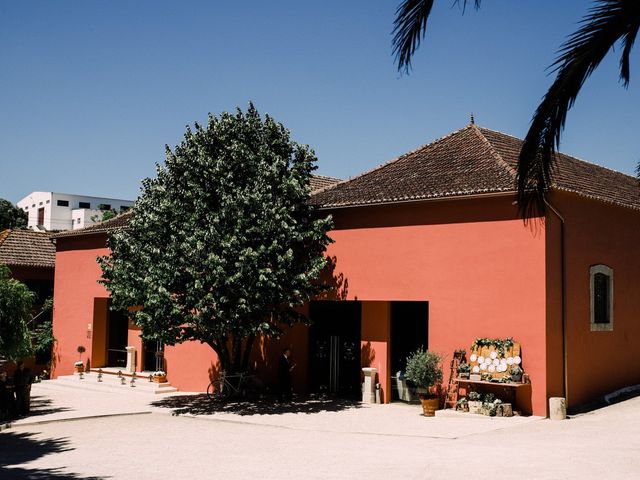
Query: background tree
<point x="222" y="245"/>
<point x="11" y="216"/>
<point x="16" y="301"/>
<point x="606" y="24"/>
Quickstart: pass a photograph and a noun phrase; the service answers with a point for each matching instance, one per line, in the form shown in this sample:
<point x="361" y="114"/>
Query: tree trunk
<point x="248" y="347"/>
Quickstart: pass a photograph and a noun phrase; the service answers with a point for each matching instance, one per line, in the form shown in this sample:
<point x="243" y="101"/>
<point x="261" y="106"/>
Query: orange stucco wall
<point x="75" y="289"/>
<point x="481" y="270"/>
<point x="598" y="233"/>
<point x="376" y="334"/>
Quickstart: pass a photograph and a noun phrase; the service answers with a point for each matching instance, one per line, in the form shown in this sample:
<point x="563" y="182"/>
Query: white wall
<point x="58" y="217"/>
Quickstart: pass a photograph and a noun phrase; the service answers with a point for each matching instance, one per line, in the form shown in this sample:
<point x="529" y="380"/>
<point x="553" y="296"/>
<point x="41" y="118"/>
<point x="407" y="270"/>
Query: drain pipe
<point x="565" y="382"/>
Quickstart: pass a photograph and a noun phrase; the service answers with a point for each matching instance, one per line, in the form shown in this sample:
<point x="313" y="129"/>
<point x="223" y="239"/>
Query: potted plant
<point x="475" y="402"/>
<point x="516" y="373"/>
<point x="424" y="371"/>
<point x="464" y="370"/>
<point x="79" y="365"/>
<point x="159" y="376"/>
<point x="462" y="404"/>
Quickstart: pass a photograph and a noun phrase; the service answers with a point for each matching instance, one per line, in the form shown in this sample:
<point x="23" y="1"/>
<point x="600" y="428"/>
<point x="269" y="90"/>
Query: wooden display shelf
<point x="498" y="384"/>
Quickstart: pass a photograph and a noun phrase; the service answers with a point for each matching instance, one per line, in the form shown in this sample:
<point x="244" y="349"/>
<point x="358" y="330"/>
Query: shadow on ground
<point x="17" y="448"/>
<point x="203" y="405"/>
<point x="44" y="406"/>
<point x="601" y="403"/>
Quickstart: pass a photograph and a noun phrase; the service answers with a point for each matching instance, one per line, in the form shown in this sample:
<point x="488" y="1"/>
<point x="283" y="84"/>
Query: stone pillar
<point x="131" y="360"/>
<point x="369" y="391"/>
<point x="557" y="408"/>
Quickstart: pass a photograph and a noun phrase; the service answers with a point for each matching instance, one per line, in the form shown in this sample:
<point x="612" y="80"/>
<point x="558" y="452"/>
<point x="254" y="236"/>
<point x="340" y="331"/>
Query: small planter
<point x="78" y="368"/>
<point x="429" y="405"/>
<point x="159" y="378"/>
<point x="475" y="377"/>
<point x="475" y="406"/>
<point x="464" y="375"/>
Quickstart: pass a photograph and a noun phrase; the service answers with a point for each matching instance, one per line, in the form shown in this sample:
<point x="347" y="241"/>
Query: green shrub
<point x="423" y="369"/>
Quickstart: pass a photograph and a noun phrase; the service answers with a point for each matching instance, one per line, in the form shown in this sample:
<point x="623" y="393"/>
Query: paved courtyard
<point x="145" y="439"/>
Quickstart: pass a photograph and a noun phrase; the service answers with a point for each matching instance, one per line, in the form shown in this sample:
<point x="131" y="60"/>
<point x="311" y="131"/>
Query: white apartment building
<point x="63" y="211"/>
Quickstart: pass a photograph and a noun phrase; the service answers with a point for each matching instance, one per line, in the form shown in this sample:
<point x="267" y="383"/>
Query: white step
<point x="111" y="382"/>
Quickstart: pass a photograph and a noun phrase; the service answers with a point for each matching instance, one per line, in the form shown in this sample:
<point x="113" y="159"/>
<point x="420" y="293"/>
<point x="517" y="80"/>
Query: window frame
<point x="608" y="271"/>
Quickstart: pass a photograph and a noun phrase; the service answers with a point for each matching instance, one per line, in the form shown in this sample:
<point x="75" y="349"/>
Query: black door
<point x="335" y="347"/>
<point x="409" y="331"/>
<point x="153" y="355"/>
<point x="118" y="328"/>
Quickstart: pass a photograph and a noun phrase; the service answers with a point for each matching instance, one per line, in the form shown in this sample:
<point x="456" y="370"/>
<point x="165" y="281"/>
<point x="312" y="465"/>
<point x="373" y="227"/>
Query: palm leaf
<point x="607" y="22"/>
<point x="410" y="26"/>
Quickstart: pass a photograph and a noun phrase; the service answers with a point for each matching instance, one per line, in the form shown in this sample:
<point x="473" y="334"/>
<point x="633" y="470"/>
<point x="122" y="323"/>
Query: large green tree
<point x="16" y="301"/>
<point x="222" y="245"/>
<point x="11" y="216"/>
<point x="608" y="23"/>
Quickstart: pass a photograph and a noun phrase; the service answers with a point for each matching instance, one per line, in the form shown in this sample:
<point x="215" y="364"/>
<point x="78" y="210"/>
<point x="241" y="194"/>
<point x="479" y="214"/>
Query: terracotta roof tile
<point x="27" y="248"/>
<point x="320" y="181"/>
<point x="472" y="161"/>
<point x="103" y="227"/>
<point x="317" y="182"/>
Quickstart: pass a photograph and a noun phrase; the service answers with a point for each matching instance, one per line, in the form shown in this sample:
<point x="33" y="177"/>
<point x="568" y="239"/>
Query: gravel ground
<point x="347" y="442"/>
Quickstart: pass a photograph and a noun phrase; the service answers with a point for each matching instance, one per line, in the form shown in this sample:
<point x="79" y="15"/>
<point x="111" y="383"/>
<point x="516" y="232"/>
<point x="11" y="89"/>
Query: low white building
<point x="63" y="211"/>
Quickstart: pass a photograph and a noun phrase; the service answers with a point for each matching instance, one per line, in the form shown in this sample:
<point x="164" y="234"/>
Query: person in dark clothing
<point x="22" y="384"/>
<point x="284" y="376"/>
<point x="6" y="398"/>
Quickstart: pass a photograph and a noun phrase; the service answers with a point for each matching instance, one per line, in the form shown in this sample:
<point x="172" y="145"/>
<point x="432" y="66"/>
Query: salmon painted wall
<point x="599" y="233"/>
<point x="75" y="289"/>
<point x="375" y="347"/>
<point x="480" y="268"/>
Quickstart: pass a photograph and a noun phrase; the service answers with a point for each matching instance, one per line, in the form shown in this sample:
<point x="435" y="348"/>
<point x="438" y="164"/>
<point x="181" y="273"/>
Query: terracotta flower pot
<point x="160" y="378"/>
<point x="78" y="368"/>
<point x="429" y="405"/>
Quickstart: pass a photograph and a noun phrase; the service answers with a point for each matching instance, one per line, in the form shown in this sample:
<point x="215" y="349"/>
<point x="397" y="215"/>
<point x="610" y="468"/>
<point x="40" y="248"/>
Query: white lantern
<point x="510" y="361"/>
<point x="492" y="368"/>
<point x="496" y="362"/>
<point x="480" y="359"/>
<point x="517" y="360"/>
<point x="483" y="366"/>
<point x="473" y="357"/>
<point x="476" y="369"/>
<point x="493" y="355"/>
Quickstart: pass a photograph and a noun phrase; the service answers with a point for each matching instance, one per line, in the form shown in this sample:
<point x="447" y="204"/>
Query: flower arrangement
<point x="159" y="373"/>
<point x="78" y="364"/>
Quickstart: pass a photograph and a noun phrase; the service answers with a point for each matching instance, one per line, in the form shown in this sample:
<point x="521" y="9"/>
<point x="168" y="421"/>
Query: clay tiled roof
<point x="472" y="161"/>
<point x="317" y="182"/>
<point x="119" y="221"/>
<point x="574" y="175"/>
<point x="27" y="248"/>
<point x="320" y="181"/>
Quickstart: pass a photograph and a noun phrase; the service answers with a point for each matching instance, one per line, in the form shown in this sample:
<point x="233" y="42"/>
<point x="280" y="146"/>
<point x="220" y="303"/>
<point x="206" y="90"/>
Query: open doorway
<point x="334" y="347"/>
<point x="409" y="332"/>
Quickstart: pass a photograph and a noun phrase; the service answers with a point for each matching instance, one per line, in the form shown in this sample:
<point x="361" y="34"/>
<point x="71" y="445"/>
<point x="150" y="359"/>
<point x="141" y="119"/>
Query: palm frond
<point x="410" y="26"/>
<point x="606" y="23"/>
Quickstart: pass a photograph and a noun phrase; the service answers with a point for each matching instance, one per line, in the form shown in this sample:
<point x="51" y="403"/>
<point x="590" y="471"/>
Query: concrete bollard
<point x="557" y="408"/>
<point x="369" y="391"/>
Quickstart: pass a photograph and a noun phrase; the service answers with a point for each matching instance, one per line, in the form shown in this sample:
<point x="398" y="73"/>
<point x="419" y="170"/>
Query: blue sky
<point x="91" y="91"/>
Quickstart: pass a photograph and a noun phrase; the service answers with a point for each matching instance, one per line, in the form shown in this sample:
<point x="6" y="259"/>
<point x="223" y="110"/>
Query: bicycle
<point x="224" y="388"/>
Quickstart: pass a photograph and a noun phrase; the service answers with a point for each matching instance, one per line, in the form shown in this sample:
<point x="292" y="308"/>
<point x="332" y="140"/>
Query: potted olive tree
<point x="424" y="371"/>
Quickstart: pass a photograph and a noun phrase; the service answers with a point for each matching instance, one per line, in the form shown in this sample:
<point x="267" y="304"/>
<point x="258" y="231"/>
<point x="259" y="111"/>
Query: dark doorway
<point x="153" y="355"/>
<point x="117" y="339"/>
<point x="41" y="216"/>
<point x="409" y="331"/>
<point x="334" y="336"/>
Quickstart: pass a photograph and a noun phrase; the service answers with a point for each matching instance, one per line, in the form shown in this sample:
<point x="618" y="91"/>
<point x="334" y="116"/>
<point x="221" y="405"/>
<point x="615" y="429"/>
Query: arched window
<point x="601" y="287"/>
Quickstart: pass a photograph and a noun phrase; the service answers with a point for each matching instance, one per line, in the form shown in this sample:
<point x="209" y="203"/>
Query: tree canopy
<point x="222" y="245"/>
<point x="11" y="216"/>
<point x="16" y="301"/>
<point x="606" y="24"/>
